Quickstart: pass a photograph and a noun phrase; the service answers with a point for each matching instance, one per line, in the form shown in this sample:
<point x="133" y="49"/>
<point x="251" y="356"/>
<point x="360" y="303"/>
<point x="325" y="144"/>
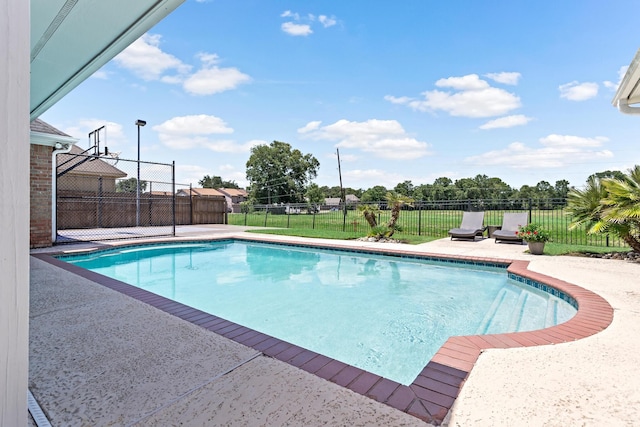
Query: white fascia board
<point x="627" y="92"/>
<point x="49" y="139"/>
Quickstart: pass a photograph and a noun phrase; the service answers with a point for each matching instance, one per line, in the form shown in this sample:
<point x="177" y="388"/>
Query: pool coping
<point x="433" y="392"/>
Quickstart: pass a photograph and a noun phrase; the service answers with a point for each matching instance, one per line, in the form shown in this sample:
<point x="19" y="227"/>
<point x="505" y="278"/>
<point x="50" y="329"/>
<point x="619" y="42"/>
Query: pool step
<point x="508" y="313"/>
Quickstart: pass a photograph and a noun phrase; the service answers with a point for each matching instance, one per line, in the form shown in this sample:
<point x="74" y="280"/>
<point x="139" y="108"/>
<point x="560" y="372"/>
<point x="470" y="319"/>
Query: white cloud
<point x="398" y="100"/>
<point x="507" y="122"/>
<point x="327" y="21"/>
<point x="614" y="86"/>
<point x="311" y="126"/>
<point x="576" y="91"/>
<point x="289" y="14"/>
<point x="145" y="59"/>
<point x="505" y="78"/>
<point x="187" y="132"/>
<point x="296" y="29"/>
<point x="382" y="138"/>
<point x="100" y="74"/>
<point x="555" y="140"/>
<point x="201" y="124"/>
<point x="468" y="82"/>
<point x="474" y="97"/>
<point x="557" y="151"/>
<point x="212" y="79"/>
<point x="301" y="25"/>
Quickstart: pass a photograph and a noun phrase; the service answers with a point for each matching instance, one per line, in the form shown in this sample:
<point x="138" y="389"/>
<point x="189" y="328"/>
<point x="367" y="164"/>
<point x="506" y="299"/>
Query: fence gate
<point x="98" y="198"/>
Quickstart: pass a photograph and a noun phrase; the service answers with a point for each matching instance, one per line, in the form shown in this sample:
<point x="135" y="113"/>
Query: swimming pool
<point x="387" y="315"/>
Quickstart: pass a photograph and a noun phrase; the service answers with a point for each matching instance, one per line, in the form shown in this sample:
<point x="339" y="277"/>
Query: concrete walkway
<point x="98" y="357"/>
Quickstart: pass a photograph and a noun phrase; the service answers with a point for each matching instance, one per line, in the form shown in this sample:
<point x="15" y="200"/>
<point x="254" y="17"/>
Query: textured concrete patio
<point x="98" y="357"/>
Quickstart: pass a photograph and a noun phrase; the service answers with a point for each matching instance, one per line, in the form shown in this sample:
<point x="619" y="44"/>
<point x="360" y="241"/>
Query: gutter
<point x="623" y="107"/>
<point x="59" y="148"/>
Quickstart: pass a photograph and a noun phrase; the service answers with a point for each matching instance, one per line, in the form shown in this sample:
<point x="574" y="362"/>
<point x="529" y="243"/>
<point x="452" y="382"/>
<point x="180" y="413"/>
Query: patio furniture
<point x="471" y="226"/>
<point x="511" y="223"/>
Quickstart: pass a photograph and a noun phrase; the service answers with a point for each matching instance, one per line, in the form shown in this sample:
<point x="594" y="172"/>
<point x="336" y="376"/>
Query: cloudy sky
<point x="406" y="90"/>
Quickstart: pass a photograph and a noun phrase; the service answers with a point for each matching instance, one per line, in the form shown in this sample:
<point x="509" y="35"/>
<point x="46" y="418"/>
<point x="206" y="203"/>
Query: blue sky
<point x="407" y="90"/>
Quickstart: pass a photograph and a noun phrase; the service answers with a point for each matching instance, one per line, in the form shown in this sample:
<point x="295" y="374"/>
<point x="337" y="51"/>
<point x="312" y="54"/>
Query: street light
<point x="139" y="123"/>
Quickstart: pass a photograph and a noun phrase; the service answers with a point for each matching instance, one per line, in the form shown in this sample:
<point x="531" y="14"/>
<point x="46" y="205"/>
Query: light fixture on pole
<point x="139" y="123"/>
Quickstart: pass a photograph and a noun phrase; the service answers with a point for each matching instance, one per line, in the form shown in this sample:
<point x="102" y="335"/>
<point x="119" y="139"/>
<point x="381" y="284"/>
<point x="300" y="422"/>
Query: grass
<point x="551" y="248"/>
<point x="338" y="235"/>
<point x="422" y="226"/>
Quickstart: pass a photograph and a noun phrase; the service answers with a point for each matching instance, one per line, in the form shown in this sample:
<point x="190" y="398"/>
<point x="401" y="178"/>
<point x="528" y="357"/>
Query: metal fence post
<point x="419" y="219"/>
<point x="173" y="196"/>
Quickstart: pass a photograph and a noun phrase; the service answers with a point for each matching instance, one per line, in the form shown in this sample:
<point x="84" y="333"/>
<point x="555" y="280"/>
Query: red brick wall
<point x="40" y="235"/>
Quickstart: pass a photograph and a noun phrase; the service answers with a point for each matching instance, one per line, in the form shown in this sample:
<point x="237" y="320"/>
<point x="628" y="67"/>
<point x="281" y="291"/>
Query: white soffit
<point x="629" y="90"/>
<point x="72" y="39"/>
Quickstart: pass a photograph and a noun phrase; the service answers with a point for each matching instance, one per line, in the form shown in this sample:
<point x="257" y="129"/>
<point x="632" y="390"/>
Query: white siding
<point x="14" y="210"/>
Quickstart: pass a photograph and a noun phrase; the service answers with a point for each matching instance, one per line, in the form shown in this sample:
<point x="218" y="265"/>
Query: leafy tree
<point x="315" y="196"/>
<point x="374" y="194"/>
<point x="278" y="174"/>
<point x="129" y="186"/>
<point x="405" y="188"/>
<point x="561" y="189"/>
<point x="608" y="174"/>
<point x="216" y="182"/>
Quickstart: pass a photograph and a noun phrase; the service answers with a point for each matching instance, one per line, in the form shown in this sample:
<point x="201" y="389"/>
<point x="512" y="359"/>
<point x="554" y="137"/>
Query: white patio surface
<point x="98" y="357"/>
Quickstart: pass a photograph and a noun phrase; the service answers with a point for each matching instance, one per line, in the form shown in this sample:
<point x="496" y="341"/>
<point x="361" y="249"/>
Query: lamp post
<point x="139" y="123"/>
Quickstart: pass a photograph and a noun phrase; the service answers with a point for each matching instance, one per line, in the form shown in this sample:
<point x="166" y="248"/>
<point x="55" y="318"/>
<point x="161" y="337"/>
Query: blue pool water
<point x="387" y="315"/>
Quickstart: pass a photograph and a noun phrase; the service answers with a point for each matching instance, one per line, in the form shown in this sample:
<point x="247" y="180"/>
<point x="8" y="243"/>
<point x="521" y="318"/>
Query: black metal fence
<point x="424" y="218"/>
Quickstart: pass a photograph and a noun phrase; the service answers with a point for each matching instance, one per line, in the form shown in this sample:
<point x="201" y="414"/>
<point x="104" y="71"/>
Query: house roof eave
<point x="629" y="89"/>
<point x="48" y="139"/>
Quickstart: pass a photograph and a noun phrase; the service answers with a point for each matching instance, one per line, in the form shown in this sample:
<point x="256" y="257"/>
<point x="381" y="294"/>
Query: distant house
<point x="332" y="202"/>
<point x="82" y="173"/>
<point x="234" y="197"/>
<point x="202" y="192"/>
<point x="352" y="198"/>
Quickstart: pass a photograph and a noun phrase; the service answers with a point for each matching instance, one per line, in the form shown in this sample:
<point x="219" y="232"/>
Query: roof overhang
<point x="628" y="92"/>
<point x="40" y="138"/>
<point x="72" y="39"/>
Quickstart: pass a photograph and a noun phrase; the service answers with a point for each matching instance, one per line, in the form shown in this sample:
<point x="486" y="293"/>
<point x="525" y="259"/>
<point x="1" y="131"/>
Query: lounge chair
<point x="470" y="228"/>
<point x="511" y="222"/>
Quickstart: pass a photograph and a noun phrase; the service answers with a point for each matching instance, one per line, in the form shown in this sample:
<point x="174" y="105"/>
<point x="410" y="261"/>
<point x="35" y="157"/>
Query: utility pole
<point x="344" y="197"/>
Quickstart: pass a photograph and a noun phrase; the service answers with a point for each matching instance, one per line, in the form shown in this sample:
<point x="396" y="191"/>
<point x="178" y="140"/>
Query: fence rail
<point x="432" y="218"/>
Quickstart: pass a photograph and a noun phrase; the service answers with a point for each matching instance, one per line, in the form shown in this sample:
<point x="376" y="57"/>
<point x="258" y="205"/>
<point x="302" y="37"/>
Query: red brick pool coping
<point x="433" y="392"/>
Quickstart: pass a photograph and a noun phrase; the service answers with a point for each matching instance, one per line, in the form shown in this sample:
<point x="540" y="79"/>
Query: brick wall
<point x="40" y="233"/>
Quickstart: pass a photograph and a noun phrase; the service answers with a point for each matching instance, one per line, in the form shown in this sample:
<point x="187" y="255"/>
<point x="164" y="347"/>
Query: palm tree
<point x="369" y="212"/>
<point x="397" y="201"/>
<point x="609" y="205"/>
<point x="622" y="206"/>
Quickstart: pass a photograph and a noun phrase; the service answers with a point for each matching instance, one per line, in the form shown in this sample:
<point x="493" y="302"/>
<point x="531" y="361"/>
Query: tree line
<point x="277" y="173"/>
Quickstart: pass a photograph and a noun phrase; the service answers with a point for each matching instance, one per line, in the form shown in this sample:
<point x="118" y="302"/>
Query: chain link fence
<point x="98" y="198"/>
<point x="424" y="218"/>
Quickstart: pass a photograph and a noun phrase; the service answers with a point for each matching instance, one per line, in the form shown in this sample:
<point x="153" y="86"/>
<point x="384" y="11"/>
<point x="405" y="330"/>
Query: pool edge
<point x="433" y="392"/>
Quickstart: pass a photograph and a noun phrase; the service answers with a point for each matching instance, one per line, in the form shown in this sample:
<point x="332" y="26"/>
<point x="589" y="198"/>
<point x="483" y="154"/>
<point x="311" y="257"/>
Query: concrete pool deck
<point x="98" y="357"/>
